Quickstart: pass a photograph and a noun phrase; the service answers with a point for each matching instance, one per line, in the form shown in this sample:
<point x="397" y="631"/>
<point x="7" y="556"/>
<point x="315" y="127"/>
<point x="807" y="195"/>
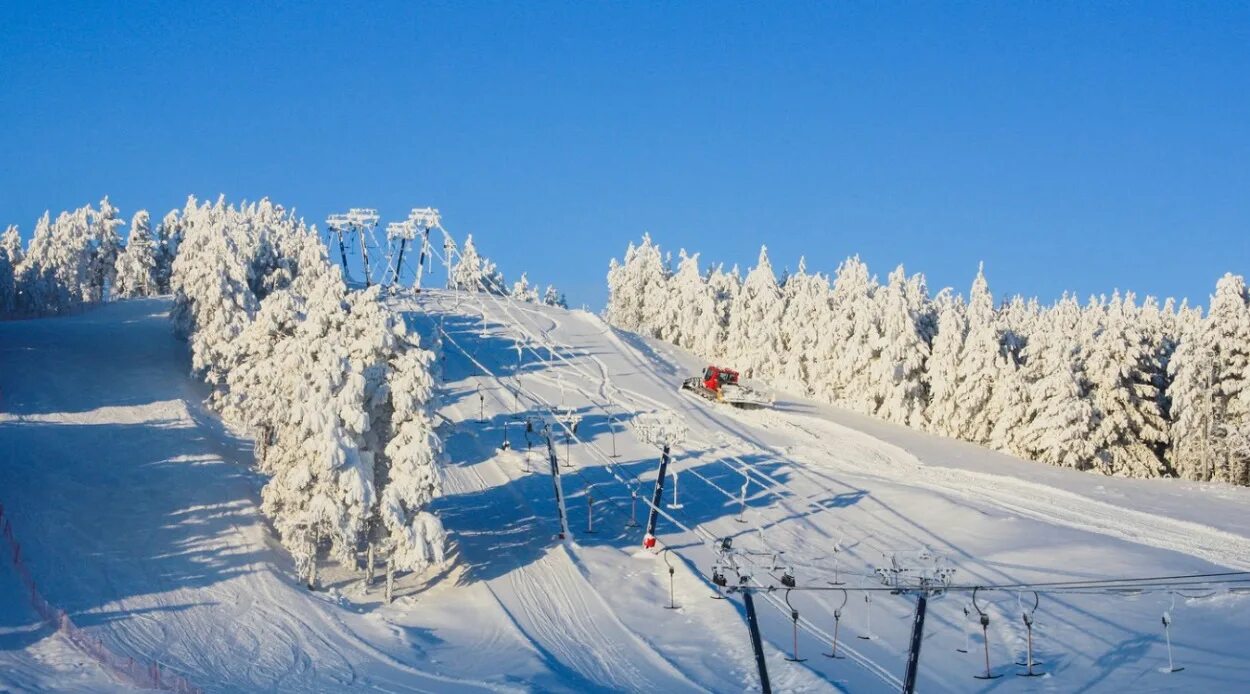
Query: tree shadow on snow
<point x="150" y="506"/>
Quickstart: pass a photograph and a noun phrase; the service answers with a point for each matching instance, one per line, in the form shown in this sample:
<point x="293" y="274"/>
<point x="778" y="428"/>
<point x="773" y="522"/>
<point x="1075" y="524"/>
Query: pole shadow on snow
<point x="515" y="522"/>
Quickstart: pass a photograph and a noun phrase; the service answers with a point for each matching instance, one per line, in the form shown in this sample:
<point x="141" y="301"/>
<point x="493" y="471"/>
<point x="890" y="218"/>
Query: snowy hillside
<point x="138" y="515"/>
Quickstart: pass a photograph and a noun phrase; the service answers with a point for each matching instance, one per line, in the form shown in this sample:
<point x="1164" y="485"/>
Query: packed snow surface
<point x="139" y="516"/>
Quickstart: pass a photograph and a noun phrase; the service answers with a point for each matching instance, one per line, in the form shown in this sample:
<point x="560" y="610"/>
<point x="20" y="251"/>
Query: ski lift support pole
<point x="656" y="499"/>
<point x="336" y="223"/>
<point x="559" y="489"/>
<point x="753" y="624"/>
<point x="363" y="220"/>
<point x="917" y="637"/>
<point x="422" y="219"/>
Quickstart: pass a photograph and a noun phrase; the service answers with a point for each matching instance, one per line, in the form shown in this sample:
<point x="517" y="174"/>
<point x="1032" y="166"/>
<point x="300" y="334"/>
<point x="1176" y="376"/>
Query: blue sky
<point x="1082" y="146"/>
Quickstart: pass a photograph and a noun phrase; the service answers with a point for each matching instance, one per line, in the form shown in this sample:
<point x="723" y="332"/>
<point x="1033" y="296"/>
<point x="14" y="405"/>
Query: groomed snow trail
<point x="825" y="492"/>
<point x="138" y="516"/>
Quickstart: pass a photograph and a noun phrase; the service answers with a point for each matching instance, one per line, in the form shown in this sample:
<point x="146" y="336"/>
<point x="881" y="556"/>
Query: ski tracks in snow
<point x="551" y="601"/>
<point x="1029" y="499"/>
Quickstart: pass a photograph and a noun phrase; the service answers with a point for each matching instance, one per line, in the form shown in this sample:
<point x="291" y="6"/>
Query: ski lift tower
<point x="338" y="224"/>
<point x="422" y="220"/>
<point x="402" y="232"/>
<point x="664" y="430"/>
<point x="364" y="221"/>
<point x="925" y="575"/>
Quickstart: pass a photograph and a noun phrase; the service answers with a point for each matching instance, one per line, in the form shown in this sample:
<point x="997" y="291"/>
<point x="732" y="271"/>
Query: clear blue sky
<point x="1081" y="146"/>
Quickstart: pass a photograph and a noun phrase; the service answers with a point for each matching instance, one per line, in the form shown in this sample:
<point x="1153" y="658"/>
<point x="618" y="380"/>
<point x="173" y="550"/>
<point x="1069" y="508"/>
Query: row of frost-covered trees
<point x="475" y="273"/>
<point x="79" y="259"/>
<point x="331" y="383"/>
<point x="1117" y="385"/>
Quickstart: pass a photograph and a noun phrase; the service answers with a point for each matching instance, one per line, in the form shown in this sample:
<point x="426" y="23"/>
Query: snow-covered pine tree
<point x="637" y="289"/>
<point x="35" y="276"/>
<point x="554" y="297"/>
<point x="1192" y="405"/>
<point x="900" y="351"/>
<point x="753" y="340"/>
<point x="107" y="246"/>
<point x="723" y="287"/>
<point x="494" y="279"/>
<point x="944" y="362"/>
<point x="56" y="275"/>
<point x="978" y="366"/>
<point x="850" y="339"/>
<point x="467" y="274"/>
<point x="136" y="265"/>
<point x="807" y="315"/>
<point x="1131" y="431"/>
<point x="1017" y="321"/>
<point x="213" y="297"/>
<point x="168" y="237"/>
<point x="1211" y="389"/>
<point x="322" y="490"/>
<point x="8" y="286"/>
<point x="1059" y="420"/>
<point x="1229" y="326"/>
<point x="230" y="259"/>
<point x="522" y="291"/>
<point x="1009" y="406"/>
<point x="415" y="537"/>
<point x="620" y="309"/>
<point x="11" y="246"/>
<point x="687" y="298"/>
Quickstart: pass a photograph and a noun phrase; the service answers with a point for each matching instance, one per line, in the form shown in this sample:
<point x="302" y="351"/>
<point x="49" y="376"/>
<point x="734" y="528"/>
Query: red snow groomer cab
<point x="721" y="385"/>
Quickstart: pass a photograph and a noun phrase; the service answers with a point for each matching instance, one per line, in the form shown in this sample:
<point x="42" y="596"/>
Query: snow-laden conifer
<point x="900" y="351"/>
<point x="523" y="291"/>
<point x="107" y="246"/>
<point x="723" y="287"/>
<point x="1131" y="434"/>
<point x="8" y="286"/>
<point x="136" y="265"/>
<point x="1210" y="398"/>
<point x="415" y="537"/>
<point x="753" y="339"/>
<point x="807" y="315"/>
<point x="851" y="338"/>
<point x="11" y="246"/>
<point x="978" y="366"/>
<point x="942" y="413"/>
<point x="467" y="275"/>
<point x="554" y="297"/>
<point x="168" y="237"/>
<point x="1059" y="420"/>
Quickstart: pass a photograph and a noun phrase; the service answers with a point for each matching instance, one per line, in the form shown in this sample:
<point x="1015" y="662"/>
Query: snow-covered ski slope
<point x="137" y="515"/>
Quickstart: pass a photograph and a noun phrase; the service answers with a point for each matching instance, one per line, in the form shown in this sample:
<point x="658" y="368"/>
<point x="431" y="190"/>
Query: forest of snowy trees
<point x="333" y="386"/>
<point x="475" y="273"/>
<point x="1114" y="385"/>
<point x="78" y="259"/>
